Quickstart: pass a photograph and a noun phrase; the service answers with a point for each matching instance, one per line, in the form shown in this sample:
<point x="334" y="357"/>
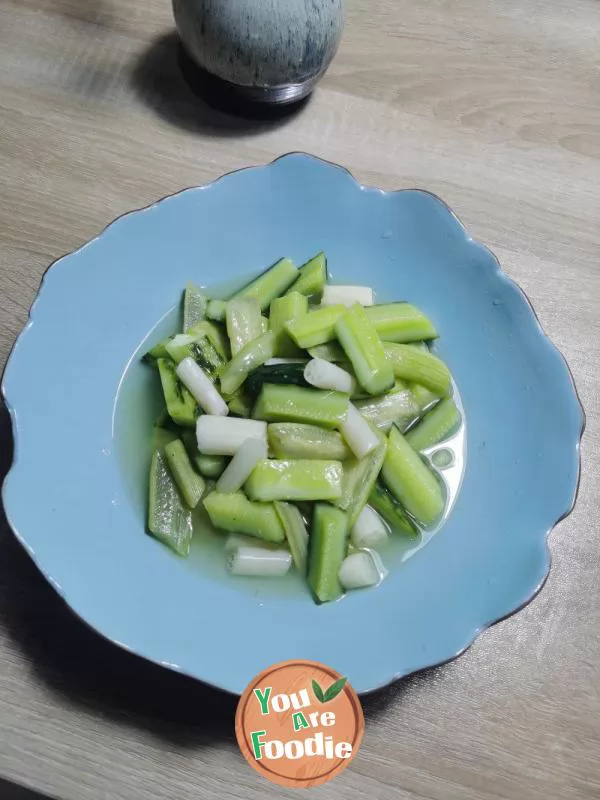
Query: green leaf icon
<point x="334" y="690"/>
<point x="318" y="692"/>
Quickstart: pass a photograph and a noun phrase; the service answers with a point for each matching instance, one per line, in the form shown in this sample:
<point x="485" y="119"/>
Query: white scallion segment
<point x="361" y="569"/>
<point x="325" y="375"/>
<point x="369" y="530"/>
<point x="272" y="362"/>
<point x="357" y="432"/>
<point x="348" y="296"/>
<point x="202" y="388"/>
<point x="241" y="465"/>
<point x="257" y="562"/>
<point x="220" y="436"/>
<point x="236" y="540"/>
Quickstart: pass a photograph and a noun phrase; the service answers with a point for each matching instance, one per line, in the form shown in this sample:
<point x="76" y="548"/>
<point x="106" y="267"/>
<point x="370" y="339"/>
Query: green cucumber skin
<point x="296" y="404"/>
<point x="436" y="426"/>
<point x="411" y="481"/>
<point x="203" y="352"/>
<point x="292" y="374"/>
<point x="244" y="322"/>
<point x="250" y="357"/>
<point x="181" y="406"/>
<point x="297" y="440"/>
<point x="169" y="520"/>
<point x="365" y="350"/>
<point x="215" y="335"/>
<point x="359" y="479"/>
<point x="282" y="310"/>
<point x="158" y="351"/>
<point x="383" y="502"/>
<point x="195" y="304"/>
<point x="312" y="278"/>
<point x="400" y="322"/>
<point x="207" y="466"/>
<point x="328" y="547"/>
<point x="418" y="366"/>
<point x="236" y="514"/>
<point x="295" y="480"/>
<point x="190" y="484"/>
<point x="315" y="328"/>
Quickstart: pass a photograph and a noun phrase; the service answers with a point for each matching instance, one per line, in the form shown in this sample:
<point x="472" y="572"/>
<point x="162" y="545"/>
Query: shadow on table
<point x="166" y="80"/>
<point x="89" y="672"/>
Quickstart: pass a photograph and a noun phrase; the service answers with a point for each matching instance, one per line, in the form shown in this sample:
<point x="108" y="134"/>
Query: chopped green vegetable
<point x="297" y="440"/>
<point x="168" y="519"/>
<point x="363" y="347"/>
<point x="241" y="403"/>
<point x="411" y="481"/>
<point x="181" y="406"/>
<point x="158" y="351"/>
<point x="250" y="357"/>
<point x="201" y="350"/>
<point x="400" y="322"/>
<point x="330" y="351"/>
<point x="359" y="479"/>
<point x="216" y="310"/>
<point x="292" y="374"/>
<point x="244" y="322"/>
<point x="215" y="334"/>
<point x="188" y="481"/>
<point x="386" y="505"/>
<point x="423" y="397"/>
<point x="436" y="426"/>
<point x="415" y="365"/>
<point x="208" y="466"/>
<point x="295" y="404"/>
<point x="235" y="513"/>
<point x="295" y="532"/>
<point x="328" y="545"/>
<point x="312" y="278"/>
<point x="283" y="310"/>
<point x="194" y="306"/>
<point x="295" y="479"/>
<point x="270" y="284"/>
<point x="316" y="327"/>
<point x="397" y="407"/>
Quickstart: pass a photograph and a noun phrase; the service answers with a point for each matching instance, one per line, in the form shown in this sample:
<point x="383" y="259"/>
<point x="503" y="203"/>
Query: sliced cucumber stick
<point x="295" y="404"/>
<point x="270" y="284"/>
<point x="389" y="509"/>
<point x="195" y="303"/>
<point x="316" y="327"/>
<point x="411" y="364"/>
<point x="296" y="479"/>
<point x="295" y="532"/>
<point x="312" y="278"/>
<point x="237" y="514"/>
<point x="250" y="357"/>
<point x="190" y="484"/>
<point x="363" y="347"/>
<point x="400" y="322"/>
<point x="181" y="406"/>
<point x="244" y="322"/>
<point x="328" y="545"/>
<point x="296" y="440"/>
<point x="283" y="310"/>
<point x="168" y="518"/>
<point x="436" y="426"/>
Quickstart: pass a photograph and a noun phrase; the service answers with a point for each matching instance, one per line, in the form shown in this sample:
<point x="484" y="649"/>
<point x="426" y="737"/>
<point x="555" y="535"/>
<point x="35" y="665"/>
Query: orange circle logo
<point x="299" y="723"/>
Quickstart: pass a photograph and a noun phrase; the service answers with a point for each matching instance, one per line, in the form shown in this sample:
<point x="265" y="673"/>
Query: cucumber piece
<point x="244" y="322"/>
<point x="271" y="284"/>
<point x="181" y="405"/>
<point x="216" y="310"/>
<point x="215" y="335"/>
<point x="363" y="347"/>
<point x="359" y="479"/>
<point x="436" y="426"/>
<point x="168" y="519"/>
<point x="241" y="404"/>
<point x="348" y="295"/>
<point x="423" y="397"/>
<point x="236" y="514"/>
<point x="207" y="466"/>
<point x="331" y="351"/>
<point x="201" y="350"/>
<point x="316" y="327"/>
<point x="295" y="440"/>
<point x="397" y="407"/>
<point x="296" y="479"/>
<point x="386" y="505"/>
<point x="400" y="322"/>
<point x="158" y="351"/>
<point x="312" y="278"/>
<point x="195" y="303"/>
<point x="292" y="374"/>
<point x="283" y="310"/>
<point x="295" y="532"/>
<point x="296" y="404"/>
<point x="189" y="483"/>
<point x="328" y="545"/>
<point x="418" y="366"/>
<point x="249" y="358"/>
<point x="411" y="481"/>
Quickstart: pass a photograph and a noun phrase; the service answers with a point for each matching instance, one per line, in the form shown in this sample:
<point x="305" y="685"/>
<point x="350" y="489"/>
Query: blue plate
<point x="80" y="412"/>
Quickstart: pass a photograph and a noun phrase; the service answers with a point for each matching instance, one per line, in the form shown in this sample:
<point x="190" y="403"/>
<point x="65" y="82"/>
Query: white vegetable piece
<point x="257" y="562"/>
<point x="361" y="569"/>
<point x="325" y="375"/>
<point x="241" y="465"/>
<point x="357" y="432"/>
<point x="201" y="387"/>
<point x="348" y="296"/>
<point x="220" y="436"/>
<point x="369" y="530"/>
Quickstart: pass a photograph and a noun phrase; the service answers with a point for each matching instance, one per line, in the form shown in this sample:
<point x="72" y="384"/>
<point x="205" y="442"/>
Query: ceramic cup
<point x="274" y="51"/>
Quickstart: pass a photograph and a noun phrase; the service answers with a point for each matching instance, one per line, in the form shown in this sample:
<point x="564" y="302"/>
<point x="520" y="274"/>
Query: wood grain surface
<point x="493" y="105"/>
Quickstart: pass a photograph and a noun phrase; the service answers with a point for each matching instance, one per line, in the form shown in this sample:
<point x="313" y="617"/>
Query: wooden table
<point x="494" y="106"/>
